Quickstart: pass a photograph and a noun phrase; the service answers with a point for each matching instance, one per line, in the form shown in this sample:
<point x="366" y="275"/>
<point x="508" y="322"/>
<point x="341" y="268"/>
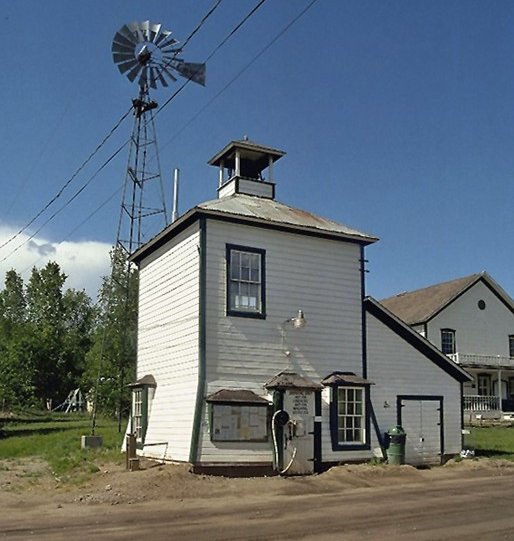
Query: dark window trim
<point x="212" y="405"/>
<point x="336" y="446"/>
<point x="448" y="330"/>
<point x="511" y="345"/>
<point x="239" y="313"/>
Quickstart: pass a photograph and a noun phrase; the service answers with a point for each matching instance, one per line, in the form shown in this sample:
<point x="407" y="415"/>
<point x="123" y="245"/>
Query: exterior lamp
<point x="299" y="320"/>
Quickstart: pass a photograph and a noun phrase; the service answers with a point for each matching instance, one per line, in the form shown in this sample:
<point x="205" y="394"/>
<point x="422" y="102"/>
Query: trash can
<point x="396" y="449"/>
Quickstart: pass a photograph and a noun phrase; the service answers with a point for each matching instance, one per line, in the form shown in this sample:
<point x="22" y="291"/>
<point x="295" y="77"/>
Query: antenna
<point x="148" y="55"/>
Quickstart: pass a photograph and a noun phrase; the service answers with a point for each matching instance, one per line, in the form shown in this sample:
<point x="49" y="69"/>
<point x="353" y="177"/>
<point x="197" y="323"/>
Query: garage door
<point x="422" y="420"/>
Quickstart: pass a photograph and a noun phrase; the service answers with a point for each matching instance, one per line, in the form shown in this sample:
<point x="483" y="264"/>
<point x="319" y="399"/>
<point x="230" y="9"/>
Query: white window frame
<point x="351" y="415"/>
<point x="245" y="281"/>
<point x="447" y="336"/>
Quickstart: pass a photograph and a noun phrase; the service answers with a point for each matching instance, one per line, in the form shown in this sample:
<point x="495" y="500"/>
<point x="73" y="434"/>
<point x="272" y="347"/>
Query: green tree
<point x="112" y="359"/>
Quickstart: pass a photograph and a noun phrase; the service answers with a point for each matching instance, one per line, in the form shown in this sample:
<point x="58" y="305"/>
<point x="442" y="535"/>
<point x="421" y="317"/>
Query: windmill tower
<point x="148" y="55"/>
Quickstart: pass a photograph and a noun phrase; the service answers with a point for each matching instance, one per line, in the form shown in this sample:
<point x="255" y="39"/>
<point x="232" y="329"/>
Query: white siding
<point x="319" y="276"/>
<point x="397" y="368"/>
<point x="168" y="342"/>
<point x="483" y="332"/>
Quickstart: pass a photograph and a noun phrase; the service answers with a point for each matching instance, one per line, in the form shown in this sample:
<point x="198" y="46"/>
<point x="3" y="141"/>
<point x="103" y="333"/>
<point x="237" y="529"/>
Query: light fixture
<point x="299" y="320"/>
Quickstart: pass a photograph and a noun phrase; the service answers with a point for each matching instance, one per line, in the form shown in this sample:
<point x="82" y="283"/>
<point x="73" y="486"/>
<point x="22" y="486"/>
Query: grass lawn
<point x="58" y="443"/>
<point x="493" y="442"/>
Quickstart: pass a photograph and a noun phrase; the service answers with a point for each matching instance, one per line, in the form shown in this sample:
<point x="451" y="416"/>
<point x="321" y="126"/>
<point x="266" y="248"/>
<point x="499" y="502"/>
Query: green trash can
<point x="396" y="449"/>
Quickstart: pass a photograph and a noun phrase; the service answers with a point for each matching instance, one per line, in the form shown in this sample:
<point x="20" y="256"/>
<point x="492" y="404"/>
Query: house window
<point x="448" y="341"/>
<point x="351" y="418"/>
<point x="511" y="345"/>
<point x="484" y="384"/>
<point x="245" y="281"/>
<point x="143" y="391"/>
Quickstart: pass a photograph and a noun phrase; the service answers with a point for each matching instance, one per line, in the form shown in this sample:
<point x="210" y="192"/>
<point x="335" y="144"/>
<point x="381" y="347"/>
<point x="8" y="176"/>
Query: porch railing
<point x="472" y="359"/>
<point x="481" y="403"/>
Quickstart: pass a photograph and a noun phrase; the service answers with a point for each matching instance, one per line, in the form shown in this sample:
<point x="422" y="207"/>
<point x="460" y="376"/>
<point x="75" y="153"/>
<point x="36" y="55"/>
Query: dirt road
<point x="405" y="504"/>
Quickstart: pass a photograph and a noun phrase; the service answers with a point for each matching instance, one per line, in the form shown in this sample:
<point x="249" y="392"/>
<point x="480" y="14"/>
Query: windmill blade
<point x="162" y="36"/>
<point x="145" y="29"/>
<point x="136" y="31"/>
<point x="154" y="31"/>
<point x="167" y="43"/>
<point x="192" y="70"/>
<point x="123" y="49"/>
<point x="143" y="79"/>
<point x="123" y="41"/>
<point x="169" y="74"/>
<point x="133" y="73"/>
<point x="122" y="57"/>
<point x="125" y="66"/>
<point x="152" y="77"/>
<point x="159" y="76"/>
<point x="127" y="31"/>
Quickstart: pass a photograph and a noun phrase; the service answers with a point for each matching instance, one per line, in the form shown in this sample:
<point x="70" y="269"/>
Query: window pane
<point x="244" y="287"/>
<point x="351" y="415"/>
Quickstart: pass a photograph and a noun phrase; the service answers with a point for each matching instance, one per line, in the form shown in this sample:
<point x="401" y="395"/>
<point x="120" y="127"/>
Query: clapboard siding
<point x="168" y="342"/>
<point x="397" y="368"/>
<point x="483" y="332"/>
<point x="319" y="276"/>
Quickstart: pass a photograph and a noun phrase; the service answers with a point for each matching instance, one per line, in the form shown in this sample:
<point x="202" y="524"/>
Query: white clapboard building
<point x="257" y="349"/>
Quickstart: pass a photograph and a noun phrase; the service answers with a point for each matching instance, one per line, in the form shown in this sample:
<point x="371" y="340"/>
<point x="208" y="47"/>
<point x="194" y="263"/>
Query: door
<point x="422" y="419"/>
<point x="298" y="433"/>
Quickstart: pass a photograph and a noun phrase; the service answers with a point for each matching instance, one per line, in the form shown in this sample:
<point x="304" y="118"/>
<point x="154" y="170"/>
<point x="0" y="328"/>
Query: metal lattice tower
<point x="147" y="53"/>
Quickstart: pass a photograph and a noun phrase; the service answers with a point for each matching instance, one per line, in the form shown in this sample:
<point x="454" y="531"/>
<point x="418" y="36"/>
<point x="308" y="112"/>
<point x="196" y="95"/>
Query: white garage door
<point x="421" y="420"/>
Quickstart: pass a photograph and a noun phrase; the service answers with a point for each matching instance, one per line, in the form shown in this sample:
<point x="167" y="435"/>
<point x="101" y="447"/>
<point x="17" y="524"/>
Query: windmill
<point x="148" y="55"/>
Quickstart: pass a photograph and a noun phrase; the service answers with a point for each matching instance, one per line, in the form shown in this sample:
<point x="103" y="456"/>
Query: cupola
<point x="242" y="169"/>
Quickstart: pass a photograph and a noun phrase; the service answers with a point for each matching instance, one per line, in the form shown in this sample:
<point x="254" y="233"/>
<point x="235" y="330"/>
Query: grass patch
<point x="493" y="442"/>
<point x="58" y="443"/>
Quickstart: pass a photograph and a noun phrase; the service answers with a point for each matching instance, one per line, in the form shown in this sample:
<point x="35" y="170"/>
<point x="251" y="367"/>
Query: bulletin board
<point x="235" y="422"/>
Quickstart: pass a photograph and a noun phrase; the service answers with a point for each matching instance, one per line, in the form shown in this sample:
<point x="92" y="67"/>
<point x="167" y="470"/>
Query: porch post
<point x="500" y="389"/>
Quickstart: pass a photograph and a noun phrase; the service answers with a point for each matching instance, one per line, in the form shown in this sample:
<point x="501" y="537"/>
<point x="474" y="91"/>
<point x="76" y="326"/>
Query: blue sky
<point x="397" y="118"/>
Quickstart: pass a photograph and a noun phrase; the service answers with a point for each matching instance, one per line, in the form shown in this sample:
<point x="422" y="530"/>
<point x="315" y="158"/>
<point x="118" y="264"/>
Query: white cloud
<point x="84" y="262"/>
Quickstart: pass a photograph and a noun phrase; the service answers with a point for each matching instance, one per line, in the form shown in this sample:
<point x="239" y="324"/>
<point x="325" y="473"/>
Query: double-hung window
<point x="143" y="391"/>
<point x="245" y="281"/>
<point x="511" y="345"/>
<point x="448" y="341"/>
<point x="351" y="418"/>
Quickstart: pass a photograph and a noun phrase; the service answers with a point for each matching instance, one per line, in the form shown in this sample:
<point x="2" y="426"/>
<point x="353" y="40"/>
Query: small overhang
<point x="345" y="378"/>
<point x="259" y="154"/>
<point x="236" y="396"/>
<point x="148" y="381"/>
<point x="291" y="380"/>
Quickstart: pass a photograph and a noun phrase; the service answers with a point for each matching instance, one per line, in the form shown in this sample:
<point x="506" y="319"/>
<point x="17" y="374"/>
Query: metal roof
<point x="288" y="380"/>
<point x="257" y="211"/>
<point x="240" y="396"/>
<point x="272" y="211"/>
<point x="348" y="378"/>
<point x="246" y="145"/>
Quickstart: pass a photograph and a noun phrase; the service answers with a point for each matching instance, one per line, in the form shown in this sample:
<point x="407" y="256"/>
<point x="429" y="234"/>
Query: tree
<point x="112" y="359"/>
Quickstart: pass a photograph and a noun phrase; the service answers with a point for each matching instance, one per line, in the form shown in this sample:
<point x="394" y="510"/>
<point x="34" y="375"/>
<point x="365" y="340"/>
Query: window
<point x="484" y="384"/>
<point x="350" y="415"/>
<point x="245" y="281"/>
<point x="448" y="341"/>
<point x="143" y="391"/>
<point x="511" y="345"/>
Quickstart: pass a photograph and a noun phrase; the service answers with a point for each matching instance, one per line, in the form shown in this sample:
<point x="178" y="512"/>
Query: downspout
<point x="197" y="420"/>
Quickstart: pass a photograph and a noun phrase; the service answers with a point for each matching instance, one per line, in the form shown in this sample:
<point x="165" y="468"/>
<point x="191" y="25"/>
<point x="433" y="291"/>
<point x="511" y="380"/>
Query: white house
<point x="471" y="320"/>
<point x="252" y="342"/>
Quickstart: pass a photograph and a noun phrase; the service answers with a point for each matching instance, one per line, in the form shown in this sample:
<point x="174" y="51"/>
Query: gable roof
<point x="420" y="306"/>
<point x="261" y="212"/>
<point x="415" y="339"/>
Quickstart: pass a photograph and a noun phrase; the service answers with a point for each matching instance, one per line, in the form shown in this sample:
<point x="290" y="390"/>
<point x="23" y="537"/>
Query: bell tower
<point x="246" y="168"/>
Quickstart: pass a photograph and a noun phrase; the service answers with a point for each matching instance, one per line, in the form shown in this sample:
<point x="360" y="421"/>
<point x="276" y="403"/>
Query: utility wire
<point x="239" y="73"/>
<point x="73" y="197"/>
<point x="67" y="183"/>
<point x="213" y="52"/>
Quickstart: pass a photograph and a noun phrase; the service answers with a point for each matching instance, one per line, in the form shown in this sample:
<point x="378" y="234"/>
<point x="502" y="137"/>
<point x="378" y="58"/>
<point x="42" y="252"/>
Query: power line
<point x="67" y="183"/>
<point x="213" y="52"/>
<point x="239" y="73"/>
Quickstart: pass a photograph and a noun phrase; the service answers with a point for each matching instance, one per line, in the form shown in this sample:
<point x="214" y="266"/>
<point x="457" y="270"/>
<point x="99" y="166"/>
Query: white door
<point x="421" y="420"/>
<point x="298" y="440"/>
